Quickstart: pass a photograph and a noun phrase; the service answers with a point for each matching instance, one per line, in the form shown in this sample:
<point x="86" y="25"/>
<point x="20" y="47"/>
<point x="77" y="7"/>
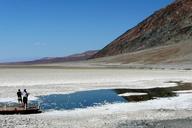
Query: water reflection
<point x="80" y="99"/>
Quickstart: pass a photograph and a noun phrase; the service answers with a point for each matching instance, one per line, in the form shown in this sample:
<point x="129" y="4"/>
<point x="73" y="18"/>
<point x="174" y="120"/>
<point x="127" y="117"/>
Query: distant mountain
<point x="170" y="25"/>
<point x="74" y="57"/>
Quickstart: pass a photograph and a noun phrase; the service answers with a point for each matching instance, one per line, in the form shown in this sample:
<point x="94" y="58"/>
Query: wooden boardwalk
<point x="8" y="110"/>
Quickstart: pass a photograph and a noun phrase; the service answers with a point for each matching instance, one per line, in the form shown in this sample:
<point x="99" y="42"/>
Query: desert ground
<point x="170" y="112"/>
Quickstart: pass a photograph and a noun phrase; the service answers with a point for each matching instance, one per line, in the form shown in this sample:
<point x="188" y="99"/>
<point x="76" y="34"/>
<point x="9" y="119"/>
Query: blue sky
<point x="31" y="29"/>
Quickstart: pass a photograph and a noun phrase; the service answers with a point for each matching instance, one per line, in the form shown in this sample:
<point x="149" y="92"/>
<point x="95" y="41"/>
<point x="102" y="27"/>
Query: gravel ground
<point x="105" y="121"/>
<point x="176" y="123"/>
<point x="23" y="122"/>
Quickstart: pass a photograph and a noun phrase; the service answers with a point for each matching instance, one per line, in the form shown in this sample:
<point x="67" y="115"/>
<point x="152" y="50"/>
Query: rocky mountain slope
<point x="170" y="25"/>
<point x="179" y="53"/>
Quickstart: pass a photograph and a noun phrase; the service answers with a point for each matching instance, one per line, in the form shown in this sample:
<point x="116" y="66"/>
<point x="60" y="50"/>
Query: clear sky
<point x="32" y="29"/>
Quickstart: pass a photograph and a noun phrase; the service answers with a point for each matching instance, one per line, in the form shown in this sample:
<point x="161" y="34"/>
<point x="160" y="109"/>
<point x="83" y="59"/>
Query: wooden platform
<point x="19" y="110"/>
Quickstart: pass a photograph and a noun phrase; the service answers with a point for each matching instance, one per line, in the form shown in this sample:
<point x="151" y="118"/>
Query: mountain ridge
<point x="46" y="60"/>
<point x="169" y="25"/>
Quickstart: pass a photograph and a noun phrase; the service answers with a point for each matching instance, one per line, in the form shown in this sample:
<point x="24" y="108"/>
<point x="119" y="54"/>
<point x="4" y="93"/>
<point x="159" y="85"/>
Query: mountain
<point x="175" y="54"/>
<point x="168" y="26"/>
<point x="74" y="57"/>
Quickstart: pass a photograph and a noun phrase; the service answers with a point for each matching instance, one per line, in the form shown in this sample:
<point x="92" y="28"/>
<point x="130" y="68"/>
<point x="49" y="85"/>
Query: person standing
<point x="25" y="98"/>
<point x="19" y="95"/>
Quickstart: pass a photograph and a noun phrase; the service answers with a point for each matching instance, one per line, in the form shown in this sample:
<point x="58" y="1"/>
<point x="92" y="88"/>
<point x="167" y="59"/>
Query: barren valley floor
<point x="170" y="112"/>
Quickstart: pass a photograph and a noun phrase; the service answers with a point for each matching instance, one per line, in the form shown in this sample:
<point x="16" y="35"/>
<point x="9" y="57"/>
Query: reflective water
<point x="81" y="99"/>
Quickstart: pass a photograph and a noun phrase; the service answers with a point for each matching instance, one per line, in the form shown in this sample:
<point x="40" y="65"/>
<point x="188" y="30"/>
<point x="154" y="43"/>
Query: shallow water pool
<point x="81" y="99"/>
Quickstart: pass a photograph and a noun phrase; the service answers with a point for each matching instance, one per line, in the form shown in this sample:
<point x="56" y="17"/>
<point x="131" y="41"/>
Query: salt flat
<point x="57" y="80"/>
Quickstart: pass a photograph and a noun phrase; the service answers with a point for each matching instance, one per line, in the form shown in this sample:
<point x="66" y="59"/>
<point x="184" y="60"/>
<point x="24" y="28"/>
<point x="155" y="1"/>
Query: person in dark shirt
<point x="19" y="95"/>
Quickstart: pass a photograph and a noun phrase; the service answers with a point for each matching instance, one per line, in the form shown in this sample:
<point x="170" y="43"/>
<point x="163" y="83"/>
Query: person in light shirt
<point x="25" y="98"/>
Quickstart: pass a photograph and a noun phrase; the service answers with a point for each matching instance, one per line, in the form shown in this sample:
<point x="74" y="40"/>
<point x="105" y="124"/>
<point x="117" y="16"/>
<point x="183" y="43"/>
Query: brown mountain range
<point x="70" y="58"/>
